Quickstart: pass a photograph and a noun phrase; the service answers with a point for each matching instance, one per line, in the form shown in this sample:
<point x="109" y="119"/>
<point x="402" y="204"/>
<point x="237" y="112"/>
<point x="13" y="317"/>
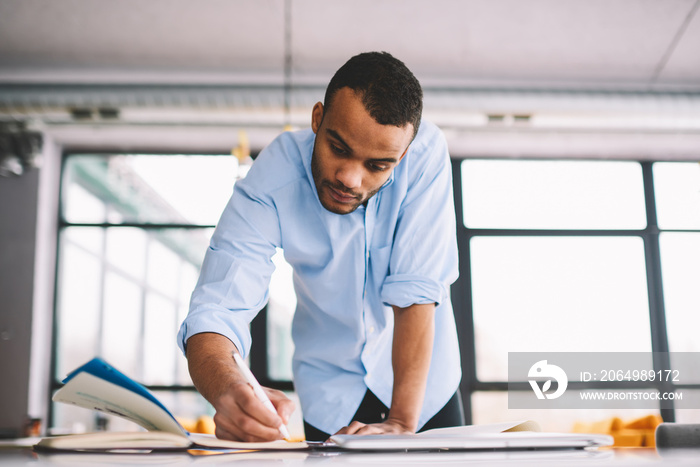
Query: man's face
<point x="353" y="155"/>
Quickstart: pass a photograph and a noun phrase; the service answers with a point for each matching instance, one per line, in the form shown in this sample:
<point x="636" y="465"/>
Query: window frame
<point x="463" y="304"/>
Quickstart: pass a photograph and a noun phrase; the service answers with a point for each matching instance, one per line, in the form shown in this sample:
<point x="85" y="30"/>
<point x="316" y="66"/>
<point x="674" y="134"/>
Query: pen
<point x="258" y="390"/>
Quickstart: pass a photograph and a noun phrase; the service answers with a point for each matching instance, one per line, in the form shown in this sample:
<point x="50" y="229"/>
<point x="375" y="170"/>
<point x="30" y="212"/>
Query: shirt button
<point x="367" y="254"/>
<point x="371" y="329"/>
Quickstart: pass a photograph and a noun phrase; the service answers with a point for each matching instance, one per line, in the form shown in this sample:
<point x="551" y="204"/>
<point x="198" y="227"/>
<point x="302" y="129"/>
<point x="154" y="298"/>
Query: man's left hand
<point x="387" y="427"/>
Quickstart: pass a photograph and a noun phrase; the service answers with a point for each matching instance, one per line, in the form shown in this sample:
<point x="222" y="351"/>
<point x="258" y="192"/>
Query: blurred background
<point x="573" y="126"/>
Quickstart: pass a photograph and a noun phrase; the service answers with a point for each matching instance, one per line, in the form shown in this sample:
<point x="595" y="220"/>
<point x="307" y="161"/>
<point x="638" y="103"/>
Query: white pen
<point x="258" y="390"/>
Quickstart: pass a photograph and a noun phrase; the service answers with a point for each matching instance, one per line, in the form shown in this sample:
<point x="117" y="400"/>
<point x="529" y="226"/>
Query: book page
<point x="91" y="392"/>
<point x="113" y="440"/>
<point x="211" y="441"/>
<point x="156" y="440"/>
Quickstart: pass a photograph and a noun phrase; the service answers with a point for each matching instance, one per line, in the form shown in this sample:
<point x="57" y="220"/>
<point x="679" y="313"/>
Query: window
<point x="569" y="256"/>
<point x="133" y="232"/>
<point x="556" y="294"/>
<point x="678" y="205"/>
<point x="574" y="195"/>
<point x="280" y="311"/>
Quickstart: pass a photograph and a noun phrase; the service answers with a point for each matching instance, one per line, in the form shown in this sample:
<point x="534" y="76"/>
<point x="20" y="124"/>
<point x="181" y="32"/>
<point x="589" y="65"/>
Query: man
<point x="362" y="206"/>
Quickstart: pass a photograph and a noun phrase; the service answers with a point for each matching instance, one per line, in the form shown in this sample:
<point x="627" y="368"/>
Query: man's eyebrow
<point x="336" y="136"/>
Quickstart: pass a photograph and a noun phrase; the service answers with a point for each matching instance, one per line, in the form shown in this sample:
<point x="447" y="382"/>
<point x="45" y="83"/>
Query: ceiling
<point x="158" y="60"/>
<point x="645" y="44"/>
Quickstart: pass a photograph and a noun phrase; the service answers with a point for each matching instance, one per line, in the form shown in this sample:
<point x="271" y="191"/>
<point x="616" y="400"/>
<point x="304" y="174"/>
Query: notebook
<point x="518" y="435"/>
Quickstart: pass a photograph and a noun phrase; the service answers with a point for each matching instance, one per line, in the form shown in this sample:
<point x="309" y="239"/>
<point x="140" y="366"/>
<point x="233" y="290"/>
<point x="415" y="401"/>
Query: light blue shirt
<point x="349" y="269"/>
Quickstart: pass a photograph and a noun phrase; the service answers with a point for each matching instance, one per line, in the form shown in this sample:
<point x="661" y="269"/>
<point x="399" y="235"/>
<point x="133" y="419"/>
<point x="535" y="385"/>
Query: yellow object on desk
<point x="635" y="433"/>
<point x="203" y="424"/>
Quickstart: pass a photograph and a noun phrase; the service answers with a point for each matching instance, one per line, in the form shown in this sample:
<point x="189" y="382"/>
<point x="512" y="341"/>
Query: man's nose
<point x="350" y="175"/>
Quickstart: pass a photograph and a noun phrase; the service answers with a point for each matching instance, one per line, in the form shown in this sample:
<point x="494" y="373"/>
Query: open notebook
<point x="97" y="385"/>
<point x="518" y="435"/>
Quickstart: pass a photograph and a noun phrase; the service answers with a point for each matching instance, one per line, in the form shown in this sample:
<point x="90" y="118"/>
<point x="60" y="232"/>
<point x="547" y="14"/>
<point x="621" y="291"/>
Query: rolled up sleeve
<point x="403" y="290"/>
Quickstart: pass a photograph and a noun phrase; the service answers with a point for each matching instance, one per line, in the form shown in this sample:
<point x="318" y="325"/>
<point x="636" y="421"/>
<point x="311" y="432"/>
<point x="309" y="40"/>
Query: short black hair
<point x="390" y="92"/>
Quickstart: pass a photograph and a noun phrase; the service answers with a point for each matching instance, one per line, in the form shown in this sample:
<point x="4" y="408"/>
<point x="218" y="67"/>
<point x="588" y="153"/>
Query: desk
<point x="26" y="457"/>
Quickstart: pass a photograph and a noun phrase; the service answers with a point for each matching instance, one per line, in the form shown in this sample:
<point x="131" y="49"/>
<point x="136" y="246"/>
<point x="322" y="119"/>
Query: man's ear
<point x="316" y="117"/>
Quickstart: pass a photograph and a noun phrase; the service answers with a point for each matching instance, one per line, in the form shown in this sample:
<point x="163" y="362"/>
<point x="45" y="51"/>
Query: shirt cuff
<point x="403" y="290"/>
<point x="199" y="321"/>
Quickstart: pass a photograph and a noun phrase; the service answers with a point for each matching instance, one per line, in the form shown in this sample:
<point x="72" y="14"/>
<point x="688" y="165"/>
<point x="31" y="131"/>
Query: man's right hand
<point x="240" y="415"/>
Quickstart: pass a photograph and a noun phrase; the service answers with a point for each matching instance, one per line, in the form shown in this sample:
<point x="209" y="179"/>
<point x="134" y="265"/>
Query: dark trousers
<point x="372" y="410"/>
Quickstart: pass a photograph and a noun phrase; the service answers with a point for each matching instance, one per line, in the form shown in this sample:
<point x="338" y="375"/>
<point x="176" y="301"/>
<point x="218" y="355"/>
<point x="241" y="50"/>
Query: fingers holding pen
<point x="260" y="392"/>
<point x="241" y="416"/>
<point x="283" y="405"/>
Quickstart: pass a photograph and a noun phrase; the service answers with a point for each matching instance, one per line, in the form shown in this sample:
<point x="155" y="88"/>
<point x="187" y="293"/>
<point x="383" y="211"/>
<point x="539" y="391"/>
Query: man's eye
<point x="337" y="149"/>
<point x="378" y="167"/>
